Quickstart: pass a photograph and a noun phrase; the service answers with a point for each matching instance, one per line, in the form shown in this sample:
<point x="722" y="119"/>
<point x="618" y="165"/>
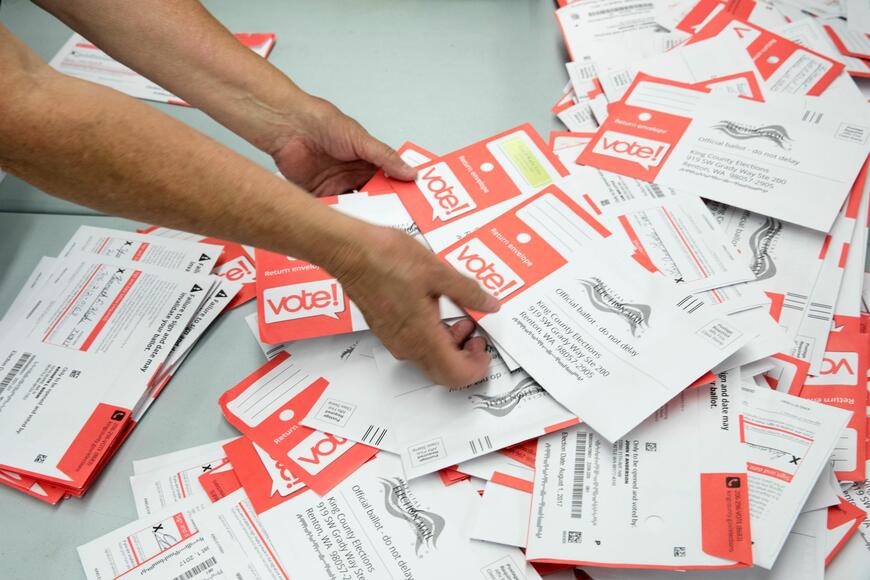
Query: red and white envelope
<point x="842" y="383"/>
<point x="80" y="58"/>
<point x="785" y="66"/>
<point x="656" y="498"/>
<point x="844" y="520"/>
<point x="235" y="263"/>
<point x="267" y="406"/>
<point x="850" y="42"/>
<point x="458" y="192"/>
<point x="92" y="340"/>
<point x="297" y="299"/>
<point x="790" y="158"/>
<point x="605" y="337"/>
<point x="258" y="478"/>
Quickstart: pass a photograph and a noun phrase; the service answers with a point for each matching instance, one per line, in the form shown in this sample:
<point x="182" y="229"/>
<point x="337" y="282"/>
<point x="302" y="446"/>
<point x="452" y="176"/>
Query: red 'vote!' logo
<point x="320" y="298"/>
<point x="474" y="258"/>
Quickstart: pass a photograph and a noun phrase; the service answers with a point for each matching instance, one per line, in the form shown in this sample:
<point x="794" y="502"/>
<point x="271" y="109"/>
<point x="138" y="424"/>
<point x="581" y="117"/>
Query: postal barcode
<point x="690" y="304"/>
<point x="373" y="435"/>
<point x="656" y="189"/>
<point x="13" y="372"/>
<point x="197" y="570"/>
<point x="626" y="8"/>
<point x="480" y="445"/>
<point x="579" y="476"/>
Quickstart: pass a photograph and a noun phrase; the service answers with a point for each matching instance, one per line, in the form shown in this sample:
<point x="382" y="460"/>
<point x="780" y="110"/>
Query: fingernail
<point x="476" y="345"/>
<point x="491" y="304"/>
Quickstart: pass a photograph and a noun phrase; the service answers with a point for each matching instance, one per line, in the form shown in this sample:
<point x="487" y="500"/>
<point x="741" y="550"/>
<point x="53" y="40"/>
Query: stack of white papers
<point x="678" y="370"/>
<point x="89" y="343"/>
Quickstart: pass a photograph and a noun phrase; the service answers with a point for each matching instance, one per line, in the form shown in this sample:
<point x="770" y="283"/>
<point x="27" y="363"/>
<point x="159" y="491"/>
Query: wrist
<point x="284" y="115"/>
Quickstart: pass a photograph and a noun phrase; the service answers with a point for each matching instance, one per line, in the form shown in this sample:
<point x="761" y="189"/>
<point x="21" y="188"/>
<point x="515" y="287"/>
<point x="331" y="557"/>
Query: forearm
<point x="181" y="47"/>
<point x="97" y="147"/>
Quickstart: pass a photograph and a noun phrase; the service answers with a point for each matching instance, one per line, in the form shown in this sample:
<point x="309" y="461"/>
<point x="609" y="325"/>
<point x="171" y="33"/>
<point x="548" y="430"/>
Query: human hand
<point x="396" y="283"/>
<point x="326" y="152"/>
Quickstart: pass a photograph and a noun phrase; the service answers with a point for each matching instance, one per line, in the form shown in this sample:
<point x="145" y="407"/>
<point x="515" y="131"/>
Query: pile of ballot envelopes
<point x="678" y="376"/>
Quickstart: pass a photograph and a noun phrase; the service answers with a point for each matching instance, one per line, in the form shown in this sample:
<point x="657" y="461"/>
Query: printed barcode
<point x="690" y="304"/>
<point x="197" y="570"/>
<point x="625" y="8"/>
<point x="817" y="310"/>
<point x="16" y="368"/>
<point x="656" y="189"/>
<point x="579" y="476"/>
<point x="813" y="117"/>
<point x="480" y="445"/>
<point x="794" y="301"/>
<point x="374" y="435"/>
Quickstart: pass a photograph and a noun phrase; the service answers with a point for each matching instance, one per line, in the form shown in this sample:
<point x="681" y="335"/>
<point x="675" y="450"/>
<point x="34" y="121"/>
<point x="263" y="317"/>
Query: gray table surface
<point x="443" y="73"/>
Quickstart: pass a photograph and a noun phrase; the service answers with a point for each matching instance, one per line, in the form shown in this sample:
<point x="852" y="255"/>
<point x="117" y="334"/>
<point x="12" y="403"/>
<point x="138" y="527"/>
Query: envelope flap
<point x="725" y="516"/>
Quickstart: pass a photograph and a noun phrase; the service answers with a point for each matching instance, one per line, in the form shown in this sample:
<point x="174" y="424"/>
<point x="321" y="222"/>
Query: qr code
<point x="679" y="551"/>
<point x="575" y="537"/>
<point x="650" y="446"/>
<point x="40" y="458"/>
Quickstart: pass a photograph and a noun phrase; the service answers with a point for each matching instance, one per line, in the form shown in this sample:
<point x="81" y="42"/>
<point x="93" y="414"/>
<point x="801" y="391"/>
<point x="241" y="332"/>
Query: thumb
<point x="385" y="157"/>
<point x="465" y="292"/>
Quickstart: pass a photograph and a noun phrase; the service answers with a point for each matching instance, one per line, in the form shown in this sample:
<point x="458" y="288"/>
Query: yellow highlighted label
<point x="524" y="160"/>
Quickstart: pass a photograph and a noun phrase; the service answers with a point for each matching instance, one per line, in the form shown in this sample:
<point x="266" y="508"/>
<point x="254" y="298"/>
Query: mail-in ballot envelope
<point x="608" y="339"/>
<point x="267" y="407"/>
<point x="80" y="58"/>
<point x="380" y="525"/>
<point x="81" y="358"/>
<point x="787" y="443"/>
<point x="235" y="264"/>
<point x="458" y="192"/>
<point x="792" y="158"/>
<point x="785" y="66"/>
<point x="658" y="497"/>
<point x="297" y="299"/>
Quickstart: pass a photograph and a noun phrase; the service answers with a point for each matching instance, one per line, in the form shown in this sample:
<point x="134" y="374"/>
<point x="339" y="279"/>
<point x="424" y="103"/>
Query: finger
<point x="385" y="157"/>
<point x="465" y="292"/>
<point x="346" y="178"/>
<point x="474" y="344"/>
<point x="449" y="365"/>
<point x="460" y="330"/>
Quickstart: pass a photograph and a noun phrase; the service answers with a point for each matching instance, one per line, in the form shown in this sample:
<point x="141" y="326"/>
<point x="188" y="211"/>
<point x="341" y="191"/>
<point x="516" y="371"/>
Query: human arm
<point x="95" y="146"/>
<point x="181" y="47"/>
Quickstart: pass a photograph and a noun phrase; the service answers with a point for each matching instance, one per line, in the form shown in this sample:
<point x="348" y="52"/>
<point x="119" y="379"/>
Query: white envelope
<point x="792" y="158"/>
<point x="709" y="59"/>
<point x="175" y="254"/>
<point x="379" y="525"/>
<point x="785" y="258"/>
<point x="233" y="525"/>
<point x="155" y="490"/>
<point x="657" y="497"/>
<point x="163" y="546"/>
<point x="79" y="58"/>
<point x="94" y="336"/>
<point x="672" y="232"/>
<point x="199" y="454"/>
<point x="608" y="339"/>
<point x="811" y="324"/>
<point x="500" y="466"/>
<point x="788" y="441"/>
<point x="459" y="425"/>
<point x="269" y="350"/>
<point x="585" y="24"/>
<point x="801" y="559"/>
<point x="503" y="515"/>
